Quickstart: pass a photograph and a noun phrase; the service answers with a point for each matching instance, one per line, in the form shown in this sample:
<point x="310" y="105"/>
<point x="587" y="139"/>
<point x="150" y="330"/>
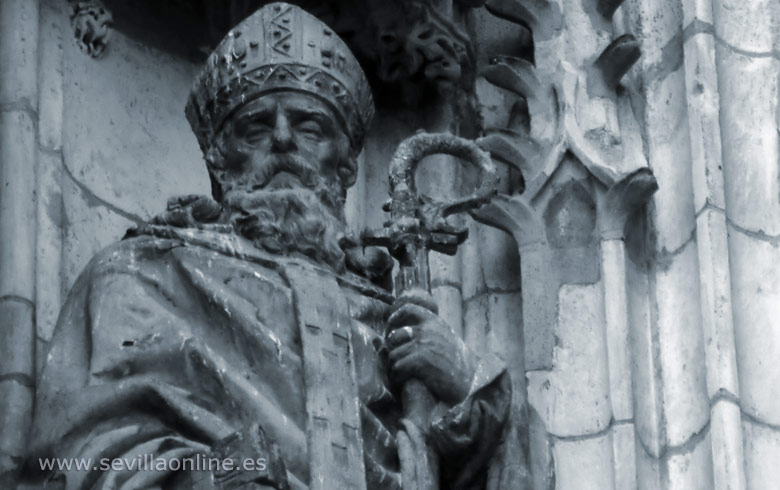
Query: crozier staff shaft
<point x="417" y="226"/>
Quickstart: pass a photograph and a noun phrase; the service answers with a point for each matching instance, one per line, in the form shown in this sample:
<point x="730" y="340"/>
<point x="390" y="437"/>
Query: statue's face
<point x="285" y="140"/>
<point x="283" y="169"/>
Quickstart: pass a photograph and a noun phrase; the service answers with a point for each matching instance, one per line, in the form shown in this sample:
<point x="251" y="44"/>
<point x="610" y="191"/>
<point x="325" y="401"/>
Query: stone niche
<point x="640" y="338"/>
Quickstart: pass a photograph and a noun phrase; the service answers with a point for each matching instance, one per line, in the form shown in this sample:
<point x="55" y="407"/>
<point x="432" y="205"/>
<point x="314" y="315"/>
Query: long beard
<point x="306" y="220"/>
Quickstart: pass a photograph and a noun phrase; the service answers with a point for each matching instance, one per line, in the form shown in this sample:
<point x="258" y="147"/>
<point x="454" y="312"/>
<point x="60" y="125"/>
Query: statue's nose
<point x="282" y="136"/>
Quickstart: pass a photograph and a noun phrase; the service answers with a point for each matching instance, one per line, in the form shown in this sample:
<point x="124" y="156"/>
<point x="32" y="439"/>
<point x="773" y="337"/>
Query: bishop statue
<point x="246" y="327"/>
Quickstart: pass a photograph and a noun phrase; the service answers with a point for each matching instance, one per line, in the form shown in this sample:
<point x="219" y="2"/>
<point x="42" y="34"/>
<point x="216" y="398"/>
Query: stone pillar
<point x="18" y="157"/>
<point x="672" y="401"/>
<point x="702" y="93"/>
<point x="616" y="205"/>
<point x="50" y="213"/>
<point x="745" y="39"/>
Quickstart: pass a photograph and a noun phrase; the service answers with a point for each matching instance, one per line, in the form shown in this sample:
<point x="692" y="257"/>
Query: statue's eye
<point x="256" y="130"/>
<point x="309" y="127"/>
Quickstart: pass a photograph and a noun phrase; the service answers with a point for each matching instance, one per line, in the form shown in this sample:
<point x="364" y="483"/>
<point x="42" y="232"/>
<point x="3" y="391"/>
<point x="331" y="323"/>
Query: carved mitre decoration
<point x="280" y="47"/>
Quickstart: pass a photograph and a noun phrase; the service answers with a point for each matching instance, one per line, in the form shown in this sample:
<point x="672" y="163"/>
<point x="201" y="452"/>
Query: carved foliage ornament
<point x="422" y="43"/>
<point x="91" y="22"/>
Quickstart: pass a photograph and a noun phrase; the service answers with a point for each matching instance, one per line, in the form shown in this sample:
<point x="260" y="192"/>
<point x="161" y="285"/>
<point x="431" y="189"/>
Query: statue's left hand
<point x="422" y="346"/>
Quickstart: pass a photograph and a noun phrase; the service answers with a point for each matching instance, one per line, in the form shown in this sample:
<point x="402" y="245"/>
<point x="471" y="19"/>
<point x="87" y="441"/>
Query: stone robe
<point x="174" y="339"/>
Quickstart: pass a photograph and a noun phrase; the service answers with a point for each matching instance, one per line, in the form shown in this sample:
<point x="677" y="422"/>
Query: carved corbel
<point x="612" y="64"/>
<point x="514" y="215"/>
<point x="620" y="200"/>
<point x="92" y="25"/>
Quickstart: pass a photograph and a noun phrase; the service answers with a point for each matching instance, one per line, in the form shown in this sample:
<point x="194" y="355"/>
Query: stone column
<point x="54" y="32"/>
<point x="18" y="157"/>
<point x="745" y="38"/>
<point x="620" y="202"/>
<point x="671" y="399"/>
<point x="702" y="93"/>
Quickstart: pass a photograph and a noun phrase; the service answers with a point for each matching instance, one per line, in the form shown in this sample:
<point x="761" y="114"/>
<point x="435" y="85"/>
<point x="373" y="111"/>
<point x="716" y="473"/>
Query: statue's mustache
<point x="290" y="164"/>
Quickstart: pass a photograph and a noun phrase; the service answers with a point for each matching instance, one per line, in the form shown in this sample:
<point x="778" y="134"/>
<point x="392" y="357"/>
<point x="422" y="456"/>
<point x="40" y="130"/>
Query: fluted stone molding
<point x="743" y="39"/>
<point x="18" y="158"/>
<point x="703" y="99"/>
<point x="573" y="133"/>
<point x="709" y="79"/>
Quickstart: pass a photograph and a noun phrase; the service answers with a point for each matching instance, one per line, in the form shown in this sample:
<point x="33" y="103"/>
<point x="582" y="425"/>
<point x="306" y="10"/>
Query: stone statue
<point x="246" y="327"/>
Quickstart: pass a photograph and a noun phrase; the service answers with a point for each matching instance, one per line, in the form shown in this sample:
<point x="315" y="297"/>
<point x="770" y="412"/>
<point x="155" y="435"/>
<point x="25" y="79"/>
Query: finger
<point x="401" y="351"/>
<point x="409" y="314"/>
<point x="400" y="336"/>
<point x="410" y="366"/>
<point x="418" y="297"/>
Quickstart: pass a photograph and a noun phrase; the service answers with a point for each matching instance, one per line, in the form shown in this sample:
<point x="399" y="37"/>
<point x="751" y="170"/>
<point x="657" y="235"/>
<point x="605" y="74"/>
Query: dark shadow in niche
<point x="191" y="30"/>
<point x="570" y="226"/>
<point x="570" y="217"/>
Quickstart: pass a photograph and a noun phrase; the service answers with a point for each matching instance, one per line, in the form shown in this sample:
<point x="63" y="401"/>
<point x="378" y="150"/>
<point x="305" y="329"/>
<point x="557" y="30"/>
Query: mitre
<point x="280" y="47"/>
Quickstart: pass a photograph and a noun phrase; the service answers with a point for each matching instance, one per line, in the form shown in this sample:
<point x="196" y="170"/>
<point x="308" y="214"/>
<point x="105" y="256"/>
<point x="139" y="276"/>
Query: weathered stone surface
<point x="16" y="350"/>
<point x="470" y="253"/>
<point x="669" y="151"/>
<point x="540" y="307"/>
<point x="50" y="76"/>
<point x="48" y="262"/>
<point x="681" y="349"/>
<point x="445" y="269"/>
<point x="701" y="80"/>
<point x="387" y="131"/>
<point x="751" y="145"/>
<point x="495" y="103"/>
<point x="644" y="362"/>
<point x="697" y="10"/>
<point x="450" y="307"/>
<point x="541" y="457"/>
<point x="41" y="352"/>
<point x="584" y="464"/>
<point x="505" y="312"/>
<point x="656" y="24"/>
<point x="747" y="25"/>
<point x="590" y="38"/>
<point x="500" y="260"/>
<point x="17" y="204"/>
<point x="727" y="448"/>
<point x="756" y="290"/>
<point x="354" y="207"/>
<point x="19" y="49"/>
<point x="690" y="467"/>
<point x="88" y="227"/>
<point x="126" y="139"/>
<point x="613" y="272"/>
<point x="762" y="445"/>
<point x="648" y="471"/>
<point x="15" y="413"/>
<point x="716" y="309"/>
<point x="624" y="454"/>
<point x="475" y="323"/>
<point x="573" y="399"/>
